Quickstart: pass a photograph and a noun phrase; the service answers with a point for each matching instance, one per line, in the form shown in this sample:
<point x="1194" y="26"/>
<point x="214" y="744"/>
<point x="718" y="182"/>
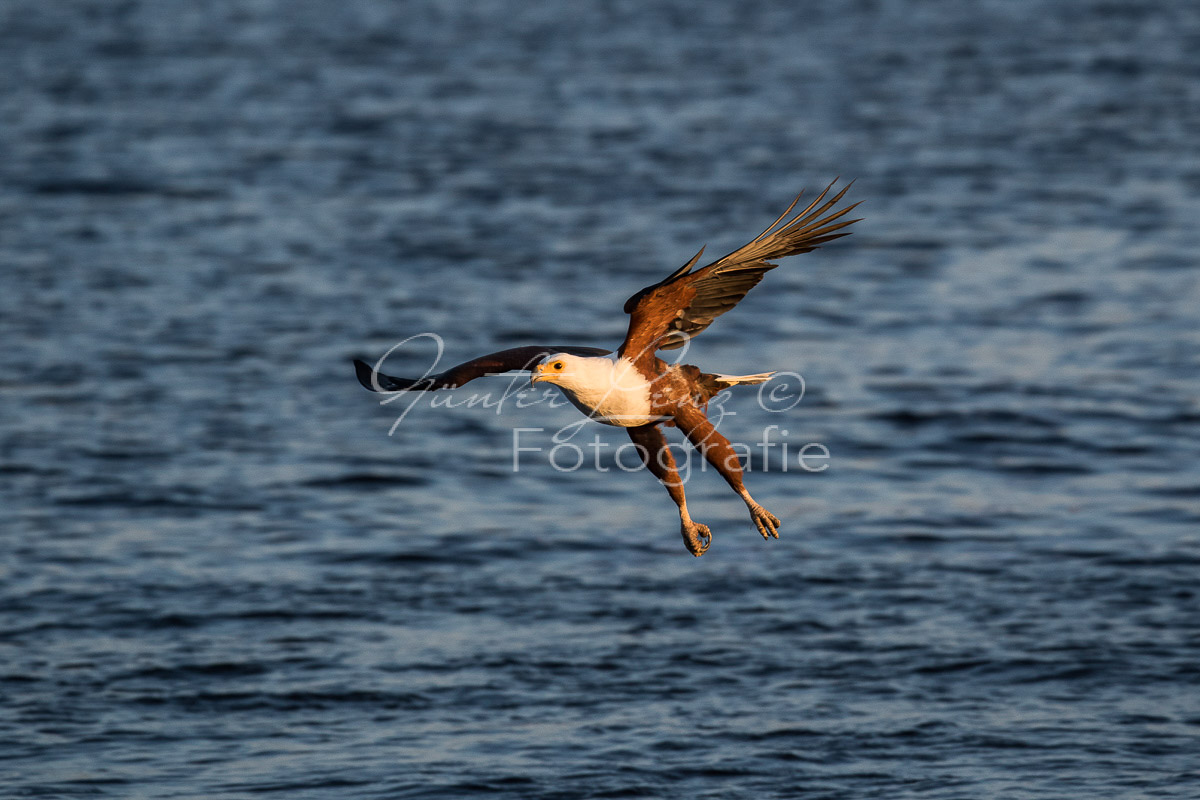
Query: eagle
<point x="637" y="390"/>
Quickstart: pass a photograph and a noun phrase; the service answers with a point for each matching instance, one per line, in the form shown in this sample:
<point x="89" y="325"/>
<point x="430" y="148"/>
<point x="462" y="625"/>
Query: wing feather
<point x="663" y="316"/>
<point x="515" y="358"/>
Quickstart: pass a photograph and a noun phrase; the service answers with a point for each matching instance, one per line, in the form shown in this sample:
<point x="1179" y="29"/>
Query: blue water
<point x="220" y="576"/>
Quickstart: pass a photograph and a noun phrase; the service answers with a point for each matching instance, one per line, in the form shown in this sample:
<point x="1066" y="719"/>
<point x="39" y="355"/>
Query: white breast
<point x="612" y="392"/>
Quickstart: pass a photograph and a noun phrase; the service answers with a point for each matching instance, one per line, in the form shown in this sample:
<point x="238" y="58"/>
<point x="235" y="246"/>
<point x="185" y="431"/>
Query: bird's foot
<point x="766" y="522"/>
<point x="696" y="537"/>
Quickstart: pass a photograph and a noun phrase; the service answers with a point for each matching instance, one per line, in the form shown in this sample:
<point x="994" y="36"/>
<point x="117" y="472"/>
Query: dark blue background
<point x="219" y="576"/>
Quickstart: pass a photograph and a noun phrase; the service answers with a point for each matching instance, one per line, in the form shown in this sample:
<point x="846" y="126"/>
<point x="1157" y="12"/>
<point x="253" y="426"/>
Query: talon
<point x="766" y="522"/>
<point x="697" y="538"/>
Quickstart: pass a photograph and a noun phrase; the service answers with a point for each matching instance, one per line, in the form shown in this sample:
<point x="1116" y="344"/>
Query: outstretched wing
<point x="665" y="315"/>
<point x="503" y="361"/>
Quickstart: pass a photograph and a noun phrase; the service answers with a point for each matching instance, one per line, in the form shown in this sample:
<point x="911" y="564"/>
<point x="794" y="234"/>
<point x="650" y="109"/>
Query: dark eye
<point x="558" y="365"/>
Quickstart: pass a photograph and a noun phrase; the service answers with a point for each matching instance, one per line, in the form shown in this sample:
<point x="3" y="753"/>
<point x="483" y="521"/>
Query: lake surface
<point x="220" y="576"/>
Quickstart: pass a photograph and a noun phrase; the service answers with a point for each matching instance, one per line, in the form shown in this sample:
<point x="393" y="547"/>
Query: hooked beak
<point x="537" y="373"/>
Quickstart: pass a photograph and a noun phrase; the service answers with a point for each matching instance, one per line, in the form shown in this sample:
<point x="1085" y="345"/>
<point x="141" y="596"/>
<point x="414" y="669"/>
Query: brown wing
<point x="665" y="315"/>
<point x="503" y="361"/>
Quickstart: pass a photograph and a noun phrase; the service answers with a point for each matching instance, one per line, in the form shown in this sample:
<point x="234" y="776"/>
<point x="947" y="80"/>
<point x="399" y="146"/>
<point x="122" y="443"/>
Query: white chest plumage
<point x="612" y="392"/>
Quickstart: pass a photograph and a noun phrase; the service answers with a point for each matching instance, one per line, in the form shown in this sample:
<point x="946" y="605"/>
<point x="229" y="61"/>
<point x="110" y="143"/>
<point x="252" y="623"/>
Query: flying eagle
<point x="637" y="390"/>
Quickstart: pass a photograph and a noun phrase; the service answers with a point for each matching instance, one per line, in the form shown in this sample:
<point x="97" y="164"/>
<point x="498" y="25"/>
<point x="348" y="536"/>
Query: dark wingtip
<point x="365" y="374"/>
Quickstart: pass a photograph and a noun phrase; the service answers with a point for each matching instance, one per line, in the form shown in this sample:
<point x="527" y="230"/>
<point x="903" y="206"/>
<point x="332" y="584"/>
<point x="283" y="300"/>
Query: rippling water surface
<point x="221" y="577"/>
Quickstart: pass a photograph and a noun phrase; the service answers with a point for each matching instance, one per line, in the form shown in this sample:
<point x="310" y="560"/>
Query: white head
<point x="612" y="392"/>
<point x="571" y="372"/>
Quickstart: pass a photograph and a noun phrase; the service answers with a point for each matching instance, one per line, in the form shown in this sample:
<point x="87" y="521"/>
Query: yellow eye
<point x="557" y="365"/>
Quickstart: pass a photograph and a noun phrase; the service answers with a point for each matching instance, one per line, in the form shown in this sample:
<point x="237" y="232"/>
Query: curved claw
<point x="696" y="537"/>
<point x="766" y="522"/>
